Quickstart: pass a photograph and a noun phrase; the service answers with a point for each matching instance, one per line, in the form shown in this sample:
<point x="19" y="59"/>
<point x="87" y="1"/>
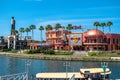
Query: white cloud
<point x="76" y="20"/>
<point x="34" y="0"/>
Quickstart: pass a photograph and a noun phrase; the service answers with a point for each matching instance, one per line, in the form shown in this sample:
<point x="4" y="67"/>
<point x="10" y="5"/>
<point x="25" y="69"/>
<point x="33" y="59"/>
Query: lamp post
<point x="66" y="64"/>
<point x="28" y="63"/>
<point x="104" y="65"/>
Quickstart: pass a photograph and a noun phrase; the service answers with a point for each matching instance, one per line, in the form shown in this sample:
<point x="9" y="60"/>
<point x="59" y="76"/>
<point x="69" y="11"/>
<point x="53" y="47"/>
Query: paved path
<point x="82" y="53"/>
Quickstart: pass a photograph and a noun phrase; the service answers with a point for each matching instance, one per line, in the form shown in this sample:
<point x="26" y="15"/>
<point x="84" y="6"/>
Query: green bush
<point x="92" y="53"/>
<point x="40" y="50"/>
<point x="49" y="51"/>
<point x="6" y="50"/>
<point x="13" y="51"/>
<point x="27" y="52"/>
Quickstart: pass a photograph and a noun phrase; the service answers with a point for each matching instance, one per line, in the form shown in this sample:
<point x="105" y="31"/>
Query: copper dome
<point x="94" y="32"/>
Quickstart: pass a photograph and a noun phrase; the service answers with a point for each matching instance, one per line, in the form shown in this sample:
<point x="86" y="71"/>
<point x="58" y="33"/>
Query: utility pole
<point x="66" y="64"/>
<point x="104" y="65"/>
<point x="28" y="63"/>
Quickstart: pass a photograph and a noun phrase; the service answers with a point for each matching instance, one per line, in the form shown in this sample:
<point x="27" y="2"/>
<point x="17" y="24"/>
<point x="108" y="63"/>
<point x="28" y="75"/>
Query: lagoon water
<point x="10" y="65"/>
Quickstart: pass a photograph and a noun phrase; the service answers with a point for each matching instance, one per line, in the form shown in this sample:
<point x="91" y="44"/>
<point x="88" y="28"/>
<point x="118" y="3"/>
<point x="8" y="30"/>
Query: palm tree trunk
<point x="96" y="38"/>
<point x="32" y="36"/>
<point x="110" y="37"/>
<point x="41" y="36"/>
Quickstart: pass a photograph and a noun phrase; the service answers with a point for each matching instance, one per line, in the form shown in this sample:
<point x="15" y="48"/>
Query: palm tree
<point x="96" y="24"/>
<point x="103" y="25"/>
<point x="21" y="30"/>
<point x="69" y="27"/>
<point x="14" y="32"/>
<point x="49" y="27"/>
<point x="32" y="27"/>
<point x="109" y="23"/>
<point x="41" y="28"/>
<point x="57" y="26"/>
<point x="27" y="30"/>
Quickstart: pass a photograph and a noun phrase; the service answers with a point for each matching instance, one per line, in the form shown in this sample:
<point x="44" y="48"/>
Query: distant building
<point x="15" y="41"/>
<point x="90" y="40"/>
<point x="3" y="44"/>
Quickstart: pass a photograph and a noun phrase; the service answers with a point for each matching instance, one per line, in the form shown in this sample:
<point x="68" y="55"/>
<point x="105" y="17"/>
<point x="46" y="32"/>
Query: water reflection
<point x="10" y="65"/>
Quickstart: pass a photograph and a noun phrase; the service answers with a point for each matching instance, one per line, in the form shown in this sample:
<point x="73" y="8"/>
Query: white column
<point x="8" y="42"/>
<point x="14" y="43"/>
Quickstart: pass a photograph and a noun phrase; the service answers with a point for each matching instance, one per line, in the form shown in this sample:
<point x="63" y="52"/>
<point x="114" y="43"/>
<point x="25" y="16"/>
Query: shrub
<point x="40" y="50"/>
<point x="6" y="50"/>
<point x="92" y="53"/>
<point x="13" y="51"/>
<point x="49" y="51"/>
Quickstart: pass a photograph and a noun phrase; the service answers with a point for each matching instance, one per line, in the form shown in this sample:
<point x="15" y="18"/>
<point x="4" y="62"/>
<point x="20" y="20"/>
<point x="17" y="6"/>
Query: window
<point x="113" y="40"/>
<point x="109" y="40"/>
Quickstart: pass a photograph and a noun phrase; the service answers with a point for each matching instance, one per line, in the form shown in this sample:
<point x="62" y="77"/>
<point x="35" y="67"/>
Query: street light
<point x="66" y="64"/>
<point x="28" y="63"/>
<point x="104" y="65"/>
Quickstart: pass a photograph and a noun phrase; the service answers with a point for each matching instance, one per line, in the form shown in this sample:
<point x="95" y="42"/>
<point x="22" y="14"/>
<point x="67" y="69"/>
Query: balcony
<point x="95" y="43"/>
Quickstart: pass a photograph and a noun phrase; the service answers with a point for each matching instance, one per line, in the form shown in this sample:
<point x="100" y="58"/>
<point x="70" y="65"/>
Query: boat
<point x="84" y="74"/>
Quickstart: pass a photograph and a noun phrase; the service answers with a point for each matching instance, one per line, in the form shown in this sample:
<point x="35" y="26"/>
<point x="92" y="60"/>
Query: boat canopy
<point x="95" y="71"/>
<point x="61" y="75"/>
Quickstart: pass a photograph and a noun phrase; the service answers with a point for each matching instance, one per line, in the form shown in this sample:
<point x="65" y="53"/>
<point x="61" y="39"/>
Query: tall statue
<point x="12" y="24"/>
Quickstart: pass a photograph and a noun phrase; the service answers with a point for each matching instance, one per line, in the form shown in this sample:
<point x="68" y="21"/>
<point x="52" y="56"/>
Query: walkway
<point x="82" y="53"/>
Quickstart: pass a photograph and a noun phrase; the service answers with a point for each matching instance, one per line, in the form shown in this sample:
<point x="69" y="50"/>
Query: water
<point x="10" y="65"/>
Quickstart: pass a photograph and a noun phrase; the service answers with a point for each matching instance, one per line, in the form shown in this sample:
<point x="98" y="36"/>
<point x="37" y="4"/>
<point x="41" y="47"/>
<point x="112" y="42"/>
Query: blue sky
<point x="43" y="12"/>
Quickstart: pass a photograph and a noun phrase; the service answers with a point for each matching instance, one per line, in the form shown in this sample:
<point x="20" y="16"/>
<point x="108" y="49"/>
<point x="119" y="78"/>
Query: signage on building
<point x="76" y="27"/>
<point x="75" y="39"/>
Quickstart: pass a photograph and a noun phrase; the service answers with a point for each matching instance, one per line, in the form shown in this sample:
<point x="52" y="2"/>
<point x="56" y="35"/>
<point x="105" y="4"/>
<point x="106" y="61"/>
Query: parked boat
<point x="84" y="74"/>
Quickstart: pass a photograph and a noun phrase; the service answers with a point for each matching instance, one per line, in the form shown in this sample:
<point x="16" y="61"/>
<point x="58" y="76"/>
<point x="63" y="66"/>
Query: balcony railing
<point x="95" y="43"/>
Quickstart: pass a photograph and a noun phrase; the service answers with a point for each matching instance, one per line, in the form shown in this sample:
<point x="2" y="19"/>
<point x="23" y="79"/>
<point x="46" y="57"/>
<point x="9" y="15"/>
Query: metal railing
<point x="19" y="76"/>
<point x="73" y="77"/>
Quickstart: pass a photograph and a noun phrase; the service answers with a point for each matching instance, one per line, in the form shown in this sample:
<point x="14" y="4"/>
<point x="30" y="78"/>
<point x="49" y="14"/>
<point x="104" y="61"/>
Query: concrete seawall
<point x="60" y="57"/>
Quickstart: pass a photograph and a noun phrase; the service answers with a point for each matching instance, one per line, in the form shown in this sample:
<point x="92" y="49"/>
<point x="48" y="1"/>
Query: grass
<point x="102" y="56"/>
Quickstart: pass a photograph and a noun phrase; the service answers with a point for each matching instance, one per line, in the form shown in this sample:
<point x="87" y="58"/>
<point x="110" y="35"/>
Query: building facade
<point x="89" y="41"/>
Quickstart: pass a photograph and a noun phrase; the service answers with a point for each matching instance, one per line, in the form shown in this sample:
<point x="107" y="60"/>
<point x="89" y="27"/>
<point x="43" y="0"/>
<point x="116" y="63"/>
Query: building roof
<point x="94" y="32"/>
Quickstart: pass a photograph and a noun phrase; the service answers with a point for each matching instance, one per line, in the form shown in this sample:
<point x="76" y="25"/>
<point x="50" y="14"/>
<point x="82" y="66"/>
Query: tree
<point x="14" y="32"/>
<point x="41" y="28"/>
<point x="21" y="30"/>
<point x="27" y="30"/>
<point x="57" y="26"/>
<point x="32" y="27"/>
<point x="96" y="24"/>
<point x="49" y="27"/>
<point x="109" y="23"/>
<point x="103" y="25"/>
<point x="69" y="27"/>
